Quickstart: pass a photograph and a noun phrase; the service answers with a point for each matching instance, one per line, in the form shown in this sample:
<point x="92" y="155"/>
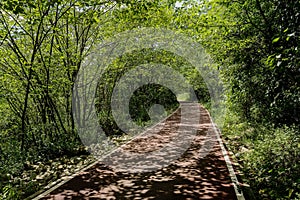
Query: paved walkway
<point x="190" y="176"/>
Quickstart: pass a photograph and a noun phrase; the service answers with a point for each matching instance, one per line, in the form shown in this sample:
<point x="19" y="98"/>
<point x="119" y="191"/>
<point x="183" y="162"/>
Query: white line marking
<point x="236" y="185"/>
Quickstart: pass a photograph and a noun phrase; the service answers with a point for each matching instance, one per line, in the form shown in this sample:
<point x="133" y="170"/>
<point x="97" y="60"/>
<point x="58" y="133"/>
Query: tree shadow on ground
<point x="189" y="177"/>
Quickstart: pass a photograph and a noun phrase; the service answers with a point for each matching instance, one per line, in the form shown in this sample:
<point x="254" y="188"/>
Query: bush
<point x="273" y="165"/>
<point x="269" y="157"/>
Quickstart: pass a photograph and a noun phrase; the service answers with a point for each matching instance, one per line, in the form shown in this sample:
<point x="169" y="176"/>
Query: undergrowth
<point x="22" y="173"/>
<point x="269" y="157"/>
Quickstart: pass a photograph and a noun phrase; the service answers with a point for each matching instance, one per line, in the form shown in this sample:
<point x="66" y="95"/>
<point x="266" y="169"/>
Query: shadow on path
<point x="189" y="177"/>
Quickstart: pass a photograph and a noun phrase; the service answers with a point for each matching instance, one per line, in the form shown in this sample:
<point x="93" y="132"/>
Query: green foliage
<point x="273" y="165"/>
<point x="136" y="14"/>
<point x="37" y="173"/>
<point x="148" y="95"/>
<point x="256" y="43"/>
<point x="269" y="157"/>
<point x="42" y="44"/>
<point x="42" y="47"/>
<point x="146" y="98"/>
<point x="9" y="192"/>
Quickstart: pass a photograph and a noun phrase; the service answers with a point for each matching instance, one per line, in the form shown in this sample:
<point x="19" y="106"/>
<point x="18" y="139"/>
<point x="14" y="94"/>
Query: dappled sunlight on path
<point x="192" y="176"/>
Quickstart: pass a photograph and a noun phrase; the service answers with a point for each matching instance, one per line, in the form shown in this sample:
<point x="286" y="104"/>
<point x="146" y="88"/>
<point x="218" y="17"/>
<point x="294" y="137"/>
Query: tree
<point x="256" y="45"/>
<point x="42" y="46"/>
<point x="149" y="94"/>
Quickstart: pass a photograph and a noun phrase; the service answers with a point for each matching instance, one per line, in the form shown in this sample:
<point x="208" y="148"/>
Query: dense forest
<point x="253" y="44"/>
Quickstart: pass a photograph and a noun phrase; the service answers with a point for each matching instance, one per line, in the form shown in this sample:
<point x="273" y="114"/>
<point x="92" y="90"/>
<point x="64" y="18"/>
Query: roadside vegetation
<point x="256" y="43"/>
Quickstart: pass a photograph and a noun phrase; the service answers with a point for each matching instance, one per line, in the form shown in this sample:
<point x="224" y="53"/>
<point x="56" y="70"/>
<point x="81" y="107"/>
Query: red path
<point x="189" y="177"/>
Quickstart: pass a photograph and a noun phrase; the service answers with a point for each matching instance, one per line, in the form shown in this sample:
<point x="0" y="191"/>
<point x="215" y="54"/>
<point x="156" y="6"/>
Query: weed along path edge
<point x="202" y="171"/>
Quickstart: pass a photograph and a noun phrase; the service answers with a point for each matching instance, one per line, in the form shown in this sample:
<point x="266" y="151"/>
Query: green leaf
<point x="290" y="192"/>
<point x="276" y="40"/>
